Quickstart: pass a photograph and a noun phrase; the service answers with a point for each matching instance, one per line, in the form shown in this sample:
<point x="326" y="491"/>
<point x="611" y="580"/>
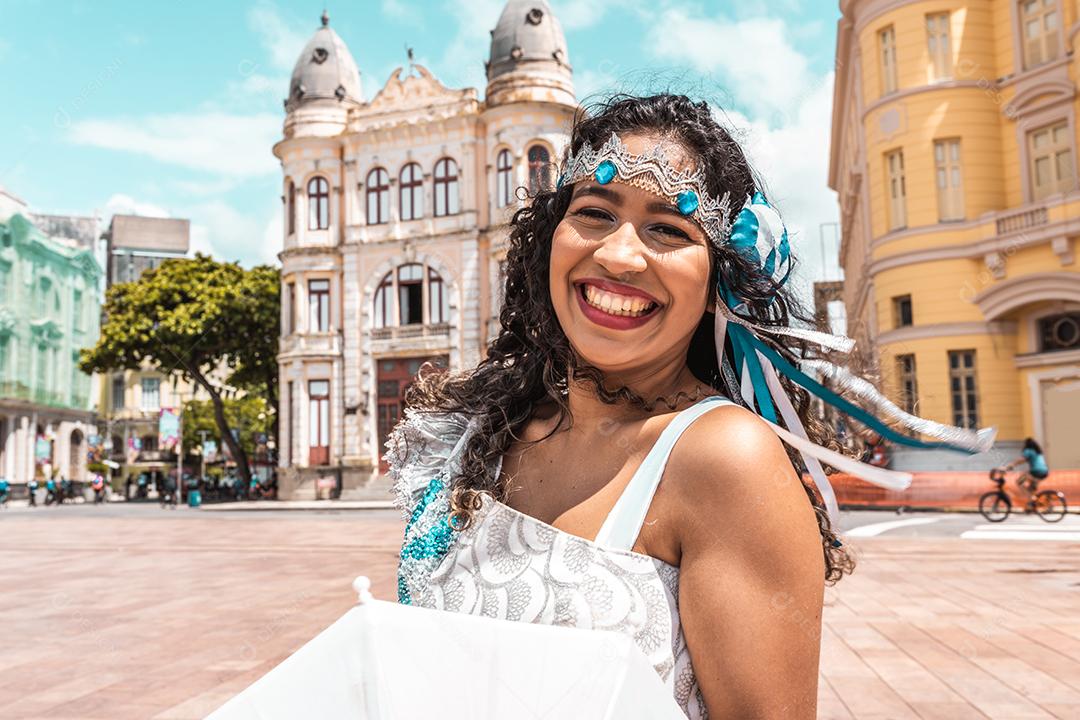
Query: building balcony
<point x="12" y="390"/>
<point x="324" y="343"/>
<point x="1023" y="220"/>
<point x="413" y="338"/>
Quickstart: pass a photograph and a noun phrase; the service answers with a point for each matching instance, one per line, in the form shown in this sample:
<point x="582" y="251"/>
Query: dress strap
<point x="623" y="523"/>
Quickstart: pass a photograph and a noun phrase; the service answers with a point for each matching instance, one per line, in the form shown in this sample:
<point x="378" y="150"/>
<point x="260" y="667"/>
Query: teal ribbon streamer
<point x="749" y="343"/>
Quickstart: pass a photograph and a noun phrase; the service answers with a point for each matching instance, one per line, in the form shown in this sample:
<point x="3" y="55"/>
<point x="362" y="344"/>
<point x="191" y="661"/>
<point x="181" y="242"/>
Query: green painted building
<point x="50" y="305"/>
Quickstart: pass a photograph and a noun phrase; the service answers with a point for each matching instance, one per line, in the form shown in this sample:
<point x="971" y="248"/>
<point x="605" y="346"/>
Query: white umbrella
<point x="384" y="661"/>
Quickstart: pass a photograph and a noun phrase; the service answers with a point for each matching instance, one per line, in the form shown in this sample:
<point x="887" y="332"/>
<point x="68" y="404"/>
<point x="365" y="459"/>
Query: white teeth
<point x="614" y="304"/>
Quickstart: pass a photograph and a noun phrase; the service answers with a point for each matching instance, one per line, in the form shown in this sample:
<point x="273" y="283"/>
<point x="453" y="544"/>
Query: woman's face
<point x="628" y="273"/>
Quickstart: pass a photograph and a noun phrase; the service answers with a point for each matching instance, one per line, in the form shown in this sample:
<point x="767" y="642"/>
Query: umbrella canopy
<point x="384" y="661"/>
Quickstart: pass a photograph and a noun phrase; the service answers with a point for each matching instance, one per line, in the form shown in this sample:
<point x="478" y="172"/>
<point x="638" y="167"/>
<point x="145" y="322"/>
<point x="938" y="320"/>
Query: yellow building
<point x="954" y="141"/>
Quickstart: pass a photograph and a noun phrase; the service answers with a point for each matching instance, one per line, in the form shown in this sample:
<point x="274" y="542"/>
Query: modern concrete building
<point x="954" y="141"/>
<point x="49" y="310"/>
<point x="395" y="212"/>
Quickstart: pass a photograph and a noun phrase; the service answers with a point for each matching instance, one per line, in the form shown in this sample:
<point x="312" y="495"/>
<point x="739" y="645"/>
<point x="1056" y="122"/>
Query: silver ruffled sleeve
<point x="418" y="449"/>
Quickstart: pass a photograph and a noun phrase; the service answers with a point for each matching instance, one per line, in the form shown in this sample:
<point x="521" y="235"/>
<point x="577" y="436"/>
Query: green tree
<point x="189" y="317"/>
<point x="247" y="415"/>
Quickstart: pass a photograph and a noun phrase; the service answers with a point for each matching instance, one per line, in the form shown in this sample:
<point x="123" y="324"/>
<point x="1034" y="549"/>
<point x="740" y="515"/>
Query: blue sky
<point x="172" y="108"/>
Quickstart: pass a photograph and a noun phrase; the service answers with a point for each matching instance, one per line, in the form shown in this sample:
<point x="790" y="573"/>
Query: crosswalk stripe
<point x="1004" y="534"/>
<point x="1040" y="526"/>
<point x="878" y="528"/>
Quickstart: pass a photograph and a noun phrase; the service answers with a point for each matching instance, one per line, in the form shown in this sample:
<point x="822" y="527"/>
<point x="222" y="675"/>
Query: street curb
<point x="298" y="506"/>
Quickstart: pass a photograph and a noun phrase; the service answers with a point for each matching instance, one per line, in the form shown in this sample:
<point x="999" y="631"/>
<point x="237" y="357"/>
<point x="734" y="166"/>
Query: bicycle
<point x="995" y="506"/>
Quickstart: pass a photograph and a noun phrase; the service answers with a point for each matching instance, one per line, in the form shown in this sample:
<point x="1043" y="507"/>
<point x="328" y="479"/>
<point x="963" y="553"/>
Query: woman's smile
<point x="615" y="305"/>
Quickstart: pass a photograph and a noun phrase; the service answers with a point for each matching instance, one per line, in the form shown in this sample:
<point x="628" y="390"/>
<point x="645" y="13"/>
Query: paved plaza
<point x="136" y="612"/>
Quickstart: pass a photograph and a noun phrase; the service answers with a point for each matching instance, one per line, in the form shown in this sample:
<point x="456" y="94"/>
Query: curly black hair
<point x="530" y="361"/>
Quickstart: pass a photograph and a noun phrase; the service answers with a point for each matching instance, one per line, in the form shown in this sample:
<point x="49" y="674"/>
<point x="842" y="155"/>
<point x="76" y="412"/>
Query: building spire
<point x="325" y="18"/>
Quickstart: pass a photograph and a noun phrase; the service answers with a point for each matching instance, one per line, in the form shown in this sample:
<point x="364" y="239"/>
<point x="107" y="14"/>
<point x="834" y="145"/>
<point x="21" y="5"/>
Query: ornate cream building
<point x="396" y="214"/>
<point x="954" y="141"/>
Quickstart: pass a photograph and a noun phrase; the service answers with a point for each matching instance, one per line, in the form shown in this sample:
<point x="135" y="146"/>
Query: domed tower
<point x="529" y="61"/>
<point x="325" y="84"/>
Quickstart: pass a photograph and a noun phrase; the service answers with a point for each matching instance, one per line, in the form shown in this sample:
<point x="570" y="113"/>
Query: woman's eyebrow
<point x="666" y="209"/>
<point x="599" y="191"/>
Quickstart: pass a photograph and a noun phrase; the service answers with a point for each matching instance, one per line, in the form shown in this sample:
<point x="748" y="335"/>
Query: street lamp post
<point x="202" y="455"/>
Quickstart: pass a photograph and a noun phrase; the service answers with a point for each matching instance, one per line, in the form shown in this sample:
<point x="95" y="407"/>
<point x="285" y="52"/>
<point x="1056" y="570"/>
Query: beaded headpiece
<point x="685" y="189"/>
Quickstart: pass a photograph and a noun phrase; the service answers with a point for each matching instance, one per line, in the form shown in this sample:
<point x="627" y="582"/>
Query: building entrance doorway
<point x="393" y="377"/>
<point x="1061" y="415"/>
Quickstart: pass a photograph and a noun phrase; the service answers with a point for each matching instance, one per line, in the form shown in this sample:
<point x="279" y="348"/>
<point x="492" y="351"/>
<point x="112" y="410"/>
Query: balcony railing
<point x="409" y="332"/>
<point x="1022" y="220"/>
<point x="13" y="390"/>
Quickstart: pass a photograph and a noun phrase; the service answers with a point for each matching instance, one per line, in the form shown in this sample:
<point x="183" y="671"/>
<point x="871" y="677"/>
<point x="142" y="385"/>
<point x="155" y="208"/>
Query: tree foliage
<point x="194" y="317"/>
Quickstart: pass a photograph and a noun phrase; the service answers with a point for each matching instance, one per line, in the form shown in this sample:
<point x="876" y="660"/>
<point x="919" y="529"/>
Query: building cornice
<point x="920" y="90"/>
<point x="998" y="244"/>
<point x="1003" y="297"/>
<point x="1048" y="359"/>
<point x="939" y="330"/>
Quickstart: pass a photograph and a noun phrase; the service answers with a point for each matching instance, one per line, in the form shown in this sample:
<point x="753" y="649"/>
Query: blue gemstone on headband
<point x="687" y="202"/>
<point x="605" y="172"/>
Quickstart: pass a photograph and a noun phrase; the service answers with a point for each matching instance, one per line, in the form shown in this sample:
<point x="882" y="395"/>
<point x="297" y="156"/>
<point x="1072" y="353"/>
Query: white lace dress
<point x="511" y="566"/>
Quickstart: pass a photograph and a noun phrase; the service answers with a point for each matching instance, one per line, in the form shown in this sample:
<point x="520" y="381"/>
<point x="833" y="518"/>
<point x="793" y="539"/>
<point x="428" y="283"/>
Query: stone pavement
<point x="144" y="613"/>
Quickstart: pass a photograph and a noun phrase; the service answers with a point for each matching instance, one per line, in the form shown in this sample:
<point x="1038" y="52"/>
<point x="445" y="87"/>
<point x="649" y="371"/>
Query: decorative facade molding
<point x="1004" y="297"/>
<point x="912" y="333"/>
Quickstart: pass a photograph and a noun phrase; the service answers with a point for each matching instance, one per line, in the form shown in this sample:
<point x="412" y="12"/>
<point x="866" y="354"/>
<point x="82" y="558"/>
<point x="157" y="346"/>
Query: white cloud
<point x="398" y="10"/>
<point x="578" y="15"/>
<point x="282" y="39"/>
<point x="752" y="57"/>
<point x="225" y="232"/>
<point x="462" y="64"/>
<point x="120" y="204"/>
<point x="224" y="144"/>
<point x="793" y="160"/>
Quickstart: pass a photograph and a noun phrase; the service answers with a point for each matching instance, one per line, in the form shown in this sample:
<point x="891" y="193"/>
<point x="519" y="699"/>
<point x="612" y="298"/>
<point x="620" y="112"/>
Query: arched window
<point x="410" y="280"/>
<point x="384" y="305"/>
<point x="378" y="197"/>
<point x="411" y="186"/>
<point x="438" y="299"/>
<point x="290" y="207"/>
<point x="504" y="178"/>
<point x="407" y="284"/>
<point x="539" y="169"/>
<point x="318" y="197"/>
<point x="446" y="188"/>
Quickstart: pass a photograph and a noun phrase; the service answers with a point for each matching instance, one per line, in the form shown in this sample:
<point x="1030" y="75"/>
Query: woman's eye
<point x="671" y="231"/>
<point x="594" y="214"/>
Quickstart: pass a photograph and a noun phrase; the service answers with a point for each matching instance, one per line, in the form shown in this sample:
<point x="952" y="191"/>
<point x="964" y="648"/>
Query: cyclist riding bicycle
<point x="1032" y="456"/>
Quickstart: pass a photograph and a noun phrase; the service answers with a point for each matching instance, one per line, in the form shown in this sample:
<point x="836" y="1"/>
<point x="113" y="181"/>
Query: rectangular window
<point x="1051" y="151"/>
<point x="897" y="189"/>
<point x="151" y="394"/>
<point x="290" y="426"/>
<point x="118" y="392"/>
<point x="937" y="40"/>
<point x="4" y="358"/>
<point x="902" y="315"/>
<point x="909" y="389"/>
<point x="962" y="388"/>
<point x="319" y="422"/>
<point x="887" y="41"/>
<point x="77" y="311"/>
<point x="290" y="312"/>
<point x="1040" y="30"/>
<point x="950" y="188"/>
<point x="319" y="304"/>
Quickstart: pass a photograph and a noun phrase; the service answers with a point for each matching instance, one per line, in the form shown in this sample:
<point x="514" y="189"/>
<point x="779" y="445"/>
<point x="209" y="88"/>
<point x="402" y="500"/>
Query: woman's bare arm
<point x="752" y="569"/>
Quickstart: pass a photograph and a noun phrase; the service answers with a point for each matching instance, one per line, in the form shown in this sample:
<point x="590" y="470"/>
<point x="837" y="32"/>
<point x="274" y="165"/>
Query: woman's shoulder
<point x="418" y="449"/>
<point x="730" y="464"/>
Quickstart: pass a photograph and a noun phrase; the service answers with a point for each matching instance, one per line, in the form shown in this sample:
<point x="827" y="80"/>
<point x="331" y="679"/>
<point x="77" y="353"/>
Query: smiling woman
<point x="616" y="460"/>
